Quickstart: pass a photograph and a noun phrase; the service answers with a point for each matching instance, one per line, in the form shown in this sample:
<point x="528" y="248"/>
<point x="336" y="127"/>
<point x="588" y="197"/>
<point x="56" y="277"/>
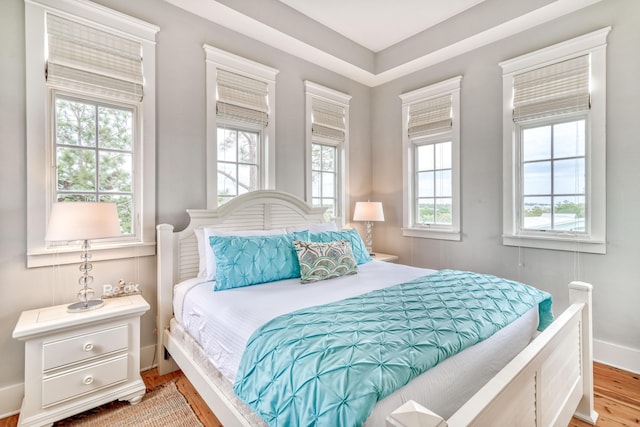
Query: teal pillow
<point x="360" y="252"/>
<point x="249" y="260"/>
<point x="321" y="261"/>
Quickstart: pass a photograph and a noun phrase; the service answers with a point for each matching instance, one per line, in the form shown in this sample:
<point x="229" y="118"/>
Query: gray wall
<point x="616" y="275"/>
<point x="180" y="161"/>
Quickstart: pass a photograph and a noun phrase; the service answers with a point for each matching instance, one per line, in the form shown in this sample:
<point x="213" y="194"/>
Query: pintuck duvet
<point x="328" y="365"/>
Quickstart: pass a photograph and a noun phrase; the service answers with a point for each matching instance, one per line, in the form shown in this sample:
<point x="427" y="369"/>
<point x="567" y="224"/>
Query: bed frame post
<point x="581" y="292"/>
<point x="164" y="294"/>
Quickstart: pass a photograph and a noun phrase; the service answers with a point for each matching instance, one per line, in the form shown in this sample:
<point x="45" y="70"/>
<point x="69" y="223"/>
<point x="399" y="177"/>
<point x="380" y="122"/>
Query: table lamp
<point x="369" y="212"/>
<point x="84" y="221"/>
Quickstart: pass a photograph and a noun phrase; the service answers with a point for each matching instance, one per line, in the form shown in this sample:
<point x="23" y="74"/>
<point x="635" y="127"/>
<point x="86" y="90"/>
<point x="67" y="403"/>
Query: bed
<point x="515" y="380"/>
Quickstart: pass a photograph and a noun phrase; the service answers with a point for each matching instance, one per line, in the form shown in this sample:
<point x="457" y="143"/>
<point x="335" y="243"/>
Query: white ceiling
<point x="378" y="24"/>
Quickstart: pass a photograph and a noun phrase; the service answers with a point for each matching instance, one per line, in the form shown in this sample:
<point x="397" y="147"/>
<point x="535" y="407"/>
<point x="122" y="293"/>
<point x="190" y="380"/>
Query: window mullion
<point x="416" y="184"/>
<point x="553" y="177"/>
<point x="237" y="162"/>
<point x="96" y="154"/>
<point x="435" y="187"/>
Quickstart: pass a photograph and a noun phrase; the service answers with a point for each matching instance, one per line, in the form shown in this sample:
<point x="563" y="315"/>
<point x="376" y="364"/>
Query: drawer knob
<point x="88" y="347"/>
<point x="87" y="380"/>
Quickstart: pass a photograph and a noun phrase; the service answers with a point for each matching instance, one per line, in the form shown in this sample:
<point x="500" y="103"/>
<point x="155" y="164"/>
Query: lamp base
<point x="81" y="306"/>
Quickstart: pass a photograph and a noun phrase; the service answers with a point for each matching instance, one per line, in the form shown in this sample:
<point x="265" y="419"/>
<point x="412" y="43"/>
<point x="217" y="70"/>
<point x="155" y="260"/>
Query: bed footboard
<point x="550" y="381"/>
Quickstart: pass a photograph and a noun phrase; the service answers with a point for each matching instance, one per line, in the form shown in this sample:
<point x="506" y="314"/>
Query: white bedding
<point x="222" y="322"/>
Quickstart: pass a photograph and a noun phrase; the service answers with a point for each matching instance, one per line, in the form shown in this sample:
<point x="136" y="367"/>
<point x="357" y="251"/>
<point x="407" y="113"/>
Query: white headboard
<point x="177" y="254"/>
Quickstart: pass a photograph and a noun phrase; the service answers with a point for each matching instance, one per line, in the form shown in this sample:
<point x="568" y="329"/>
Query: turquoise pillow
<point x="249" y="260"/>
<point x="360" y="252"/>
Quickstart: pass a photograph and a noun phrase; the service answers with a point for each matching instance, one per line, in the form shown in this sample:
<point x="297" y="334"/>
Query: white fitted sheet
<point x="222" y="322"/>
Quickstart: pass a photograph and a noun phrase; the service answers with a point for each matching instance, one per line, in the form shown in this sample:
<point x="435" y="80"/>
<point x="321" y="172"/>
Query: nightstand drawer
<point x="82" y="347"/>
<point x="82" y="381"/>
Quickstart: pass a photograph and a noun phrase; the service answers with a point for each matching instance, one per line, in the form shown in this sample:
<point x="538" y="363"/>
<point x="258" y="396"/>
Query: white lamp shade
<point x="368" y="211"/>
<point x="82" y="221"/>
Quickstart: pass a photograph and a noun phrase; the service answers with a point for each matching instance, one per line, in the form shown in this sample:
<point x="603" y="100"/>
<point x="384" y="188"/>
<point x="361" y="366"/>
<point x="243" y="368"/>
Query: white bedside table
<point x="77" y="361"/>
<point x="384" y="257"/>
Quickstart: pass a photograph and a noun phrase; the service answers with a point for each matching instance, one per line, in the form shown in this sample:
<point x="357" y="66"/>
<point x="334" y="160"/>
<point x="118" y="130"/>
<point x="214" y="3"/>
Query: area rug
<point x="165" y="406"/>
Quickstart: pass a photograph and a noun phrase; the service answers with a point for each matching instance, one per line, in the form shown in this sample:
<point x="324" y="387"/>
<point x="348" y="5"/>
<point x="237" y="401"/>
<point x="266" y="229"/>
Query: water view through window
<point x="553" y="172"/>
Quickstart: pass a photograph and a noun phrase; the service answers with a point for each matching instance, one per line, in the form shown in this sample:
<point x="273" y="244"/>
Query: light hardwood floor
<point x="617" y="398"/>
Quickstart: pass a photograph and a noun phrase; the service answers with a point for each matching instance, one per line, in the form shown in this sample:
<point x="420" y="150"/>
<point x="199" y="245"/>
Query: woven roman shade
<point x="328" y="120"/>
<point x="552" y="90"/>
<point x="87" y="59"/>
<point x="430" y="116"/>
<point x="241" y="98"/>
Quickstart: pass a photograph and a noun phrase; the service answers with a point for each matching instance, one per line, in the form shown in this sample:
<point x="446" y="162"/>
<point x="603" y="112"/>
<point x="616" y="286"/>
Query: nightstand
<point x="77" y="361"/>
<point x="384" y="257"/>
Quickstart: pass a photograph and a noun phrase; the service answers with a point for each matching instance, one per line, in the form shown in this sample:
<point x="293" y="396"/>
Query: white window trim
<point x="595" y="239"/>
<point x="330" y="95"/>
<point x="410" y="229"/>
<point x="219" y="59"/>
<point x="39" y="130"/>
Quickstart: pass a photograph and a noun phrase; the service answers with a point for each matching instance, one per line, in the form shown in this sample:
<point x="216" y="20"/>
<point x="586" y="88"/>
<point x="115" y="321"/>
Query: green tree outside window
<point x="95" y="155"/>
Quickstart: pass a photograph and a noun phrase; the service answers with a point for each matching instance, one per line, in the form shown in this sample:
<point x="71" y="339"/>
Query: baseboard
<point x="617" y="356"/>
<point x="11" y="399"/>
<point x="148" y="358"/>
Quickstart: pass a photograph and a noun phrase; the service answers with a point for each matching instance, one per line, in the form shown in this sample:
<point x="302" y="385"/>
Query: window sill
<point x="44" y="257"/>
<point x="432" y="234"/>
<point x="558" y="243"/>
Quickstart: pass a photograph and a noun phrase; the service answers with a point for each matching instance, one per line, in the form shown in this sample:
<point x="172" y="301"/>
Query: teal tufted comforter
<point x="328" y="365"/>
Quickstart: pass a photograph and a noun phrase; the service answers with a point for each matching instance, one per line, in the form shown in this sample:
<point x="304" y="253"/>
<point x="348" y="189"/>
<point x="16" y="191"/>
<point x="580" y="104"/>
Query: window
<point x="554" y="162"/>
<point x="240" y="126"/>
<point x="324" y="177"/>
<point x="327" y="144"/>
<point x="431" y="153"/>
<point x="94" y="151"/>
<point x="553" y="177"/>
<point x="433" y="183"/>
<point x="90" y="118"/>
<point x="238" y="162"/>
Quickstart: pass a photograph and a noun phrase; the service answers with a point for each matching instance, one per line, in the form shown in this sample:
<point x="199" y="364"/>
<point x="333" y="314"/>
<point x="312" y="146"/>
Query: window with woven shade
<point x="428" y="117"/>
<point x="242" y="99"/>
<point x="97" y="83"/>
<point x="327" y="140"/>
<point x="240" y="126"/>
<point x="554" y="167"/>
<point x="90" y="116"/>
<point x="431" y="152"/>
<point x="328" y="120"/>
<point x="552" y="90"/>
<point x="90" y="60"/>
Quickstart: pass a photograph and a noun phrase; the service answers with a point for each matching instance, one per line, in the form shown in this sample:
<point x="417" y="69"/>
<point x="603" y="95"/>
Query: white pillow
<point x="315" y="227"/>
<point x="207" y="268"/>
